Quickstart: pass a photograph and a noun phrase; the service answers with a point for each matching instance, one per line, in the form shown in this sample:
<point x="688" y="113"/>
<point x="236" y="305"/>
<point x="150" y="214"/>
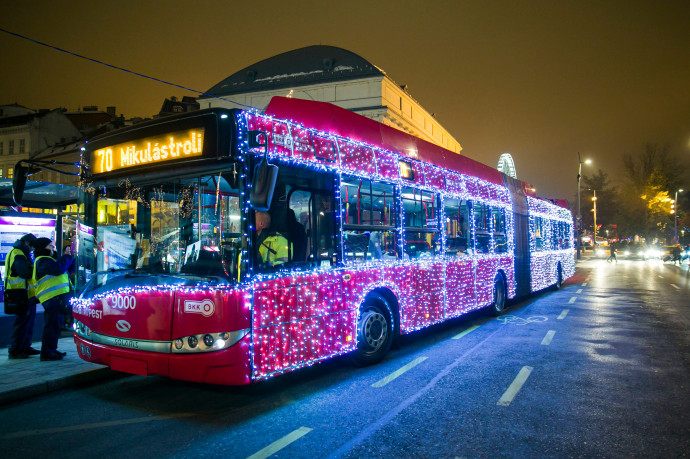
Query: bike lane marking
<point x="398" y="372"/>
<point x="547" y="339"/>
<point x="515" y="386"/>
<point x="281" y="443"/>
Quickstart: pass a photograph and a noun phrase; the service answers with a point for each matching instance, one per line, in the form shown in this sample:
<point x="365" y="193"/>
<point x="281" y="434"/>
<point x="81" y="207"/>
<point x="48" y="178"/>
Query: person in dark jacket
<point x="18" y="273"/>
<point x="51" y="279"/>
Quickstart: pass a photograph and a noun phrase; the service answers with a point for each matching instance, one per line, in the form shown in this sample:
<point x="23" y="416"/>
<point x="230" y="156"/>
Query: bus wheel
<point x="559" y="278"/>
<point x="499" y="296"/>
<point x="374" y="331"/>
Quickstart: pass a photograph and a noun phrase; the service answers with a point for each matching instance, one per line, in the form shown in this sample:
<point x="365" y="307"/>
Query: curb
<point x="83" y="377"/>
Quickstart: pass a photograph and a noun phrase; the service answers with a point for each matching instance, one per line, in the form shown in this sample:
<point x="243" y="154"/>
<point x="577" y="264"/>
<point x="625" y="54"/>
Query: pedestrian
<point x="612" y="252"/>
<point x="19" y="297"/>
<point x="51" y="279"/>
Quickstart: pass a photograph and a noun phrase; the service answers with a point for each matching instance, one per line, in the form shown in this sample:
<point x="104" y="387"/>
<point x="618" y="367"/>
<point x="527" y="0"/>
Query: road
<point x="598" y="368"/>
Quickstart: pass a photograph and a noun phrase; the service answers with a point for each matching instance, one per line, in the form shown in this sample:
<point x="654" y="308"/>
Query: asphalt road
<point x="597" y="369"/>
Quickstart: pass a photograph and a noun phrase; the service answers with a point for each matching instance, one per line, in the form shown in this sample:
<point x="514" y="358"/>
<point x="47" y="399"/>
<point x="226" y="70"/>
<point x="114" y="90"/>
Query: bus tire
<point x="559" y="278"/>
<point x="499" y="303"/>
<point x="374" y="331"/>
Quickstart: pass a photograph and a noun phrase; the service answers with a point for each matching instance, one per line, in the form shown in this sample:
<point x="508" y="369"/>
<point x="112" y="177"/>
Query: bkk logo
<point x="123" y="326"/>
<point x="205" y="307"/>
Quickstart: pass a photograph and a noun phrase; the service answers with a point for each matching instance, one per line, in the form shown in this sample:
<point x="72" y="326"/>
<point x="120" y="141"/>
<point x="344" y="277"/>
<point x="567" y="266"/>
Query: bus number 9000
<point x="123" y="302"/>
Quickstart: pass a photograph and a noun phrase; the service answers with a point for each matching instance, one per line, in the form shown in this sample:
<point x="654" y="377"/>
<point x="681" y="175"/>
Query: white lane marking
<point x="466" y="331"/>
<point x="579" y="290"/>
<point x="572" y="299"/>
<point x="396" y="373"/>
<point x="585" y="284"/>
<point x="280" y="444"/>
<point x="547" y="339"/>
<point x="563" y="314"/>
<point x="96" y="425"/>
<point x="515" y="386"/>
<point x="675" y="286"/>
<point x="660" y="277"/>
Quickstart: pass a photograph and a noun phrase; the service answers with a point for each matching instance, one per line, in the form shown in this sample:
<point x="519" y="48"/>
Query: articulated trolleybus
<point x="226" y="246"/>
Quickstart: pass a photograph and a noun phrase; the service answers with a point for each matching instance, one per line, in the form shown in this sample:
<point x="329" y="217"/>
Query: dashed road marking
<point x="547" y="339"/>
<point x="97" y="425"/>
<point x="396" y="373"/>
<point x="563" y="314"/>
<point x="585" y="284"/>
<point x="579" y="290"/>
<point x="660" y="276"/>
<point x="572" y="299"/>
<point x="515" y="386"/>
<point x="466" y="331"/>
<point x="675" y="286"/>
<point x="280" y="444"/>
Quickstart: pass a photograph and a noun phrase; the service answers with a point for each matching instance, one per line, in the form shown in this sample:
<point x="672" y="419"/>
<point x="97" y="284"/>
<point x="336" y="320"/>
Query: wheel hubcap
<point x="374" y="330"/>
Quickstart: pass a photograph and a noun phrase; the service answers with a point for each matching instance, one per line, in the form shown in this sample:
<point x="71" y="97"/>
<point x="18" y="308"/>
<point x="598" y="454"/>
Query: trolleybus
<point x="373" y="234"/>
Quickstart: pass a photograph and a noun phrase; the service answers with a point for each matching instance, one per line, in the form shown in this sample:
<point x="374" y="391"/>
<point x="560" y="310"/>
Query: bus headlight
<point x="207" y="342"/>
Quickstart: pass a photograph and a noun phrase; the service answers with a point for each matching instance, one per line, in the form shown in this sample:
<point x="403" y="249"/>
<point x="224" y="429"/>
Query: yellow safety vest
<point x="16" y="282"/>
<point x="274" y="250"/>
<point x="49" y="286"/>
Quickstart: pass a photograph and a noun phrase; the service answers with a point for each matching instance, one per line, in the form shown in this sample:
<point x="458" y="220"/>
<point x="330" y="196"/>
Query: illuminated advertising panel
<point x="149" y="150"/>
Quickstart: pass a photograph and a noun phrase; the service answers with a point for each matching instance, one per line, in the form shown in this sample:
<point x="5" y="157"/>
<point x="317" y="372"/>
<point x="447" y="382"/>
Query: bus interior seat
<point x="357" y="245"/>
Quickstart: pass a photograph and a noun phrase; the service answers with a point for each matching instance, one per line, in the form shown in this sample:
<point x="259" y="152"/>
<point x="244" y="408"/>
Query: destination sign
<point x="149" y="150"/>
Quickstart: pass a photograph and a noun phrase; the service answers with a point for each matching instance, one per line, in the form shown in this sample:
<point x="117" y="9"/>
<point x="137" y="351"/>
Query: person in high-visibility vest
<point x="51" y="280"/>
<point x="272" y="247"/>
<point x="18" y="287"/>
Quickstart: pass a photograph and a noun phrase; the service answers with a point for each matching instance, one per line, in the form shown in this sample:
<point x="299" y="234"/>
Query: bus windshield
<point x="187" y="228"/>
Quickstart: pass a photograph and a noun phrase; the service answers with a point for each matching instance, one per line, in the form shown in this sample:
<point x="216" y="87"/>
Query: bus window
<point x="499" y="229"/>
<point x="420" y="222"/>
<point x="303" y="212"/>
<point x="369" y="220"/>
<point x="457" y="226"/>
<point x="537" y="226"/>
<point x="482" y="227"/>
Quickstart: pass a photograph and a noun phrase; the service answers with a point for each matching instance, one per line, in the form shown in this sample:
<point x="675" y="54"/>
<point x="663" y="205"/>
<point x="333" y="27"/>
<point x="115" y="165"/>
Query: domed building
<point x="334" y="75"/>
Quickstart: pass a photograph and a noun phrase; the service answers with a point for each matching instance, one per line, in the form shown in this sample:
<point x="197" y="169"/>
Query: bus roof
<point x="331" y="118"/>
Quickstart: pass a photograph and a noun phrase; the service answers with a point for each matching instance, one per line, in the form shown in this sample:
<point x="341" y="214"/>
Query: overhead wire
<point x="97" y="61"/>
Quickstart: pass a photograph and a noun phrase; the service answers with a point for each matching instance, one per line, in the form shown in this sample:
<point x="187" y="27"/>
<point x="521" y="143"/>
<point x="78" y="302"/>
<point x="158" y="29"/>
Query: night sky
<point x="542" y="80"/>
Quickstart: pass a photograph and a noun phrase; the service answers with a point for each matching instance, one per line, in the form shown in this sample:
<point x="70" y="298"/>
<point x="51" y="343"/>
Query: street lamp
<point x="578" y="224"/>
<point x="675" y="219"/>
<point x="594" y="199"/>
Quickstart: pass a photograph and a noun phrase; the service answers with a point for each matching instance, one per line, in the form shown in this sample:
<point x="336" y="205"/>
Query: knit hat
<point x="41" y="243"/>
<point x="28" y="238"/>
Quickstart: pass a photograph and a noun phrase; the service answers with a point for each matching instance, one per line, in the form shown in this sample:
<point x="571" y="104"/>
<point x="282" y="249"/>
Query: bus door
<point x="298" y="310"/>
<point x="460" y="268"/>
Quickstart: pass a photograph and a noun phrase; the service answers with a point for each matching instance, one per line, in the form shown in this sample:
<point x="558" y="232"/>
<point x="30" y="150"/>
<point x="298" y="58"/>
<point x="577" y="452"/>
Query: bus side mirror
<point x="263" y="184"/>
<point x="19" y="182"/>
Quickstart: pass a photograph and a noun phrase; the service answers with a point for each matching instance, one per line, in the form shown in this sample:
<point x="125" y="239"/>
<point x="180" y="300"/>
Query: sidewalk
<point x="20" y="379"/>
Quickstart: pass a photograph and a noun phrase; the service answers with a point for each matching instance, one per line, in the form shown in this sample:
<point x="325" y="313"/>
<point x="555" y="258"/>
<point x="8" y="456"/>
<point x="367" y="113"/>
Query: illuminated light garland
<point x="544" y="262"/>
<point x="272" y="354"/>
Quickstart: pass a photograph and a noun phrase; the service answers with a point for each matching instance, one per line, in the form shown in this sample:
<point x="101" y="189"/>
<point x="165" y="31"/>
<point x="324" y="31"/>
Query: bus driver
<point x="272" y="246"/>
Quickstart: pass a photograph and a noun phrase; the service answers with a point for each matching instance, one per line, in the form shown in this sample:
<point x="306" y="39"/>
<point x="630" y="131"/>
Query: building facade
<point x="23" y="136"/>
<point x="334" y="75"/>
